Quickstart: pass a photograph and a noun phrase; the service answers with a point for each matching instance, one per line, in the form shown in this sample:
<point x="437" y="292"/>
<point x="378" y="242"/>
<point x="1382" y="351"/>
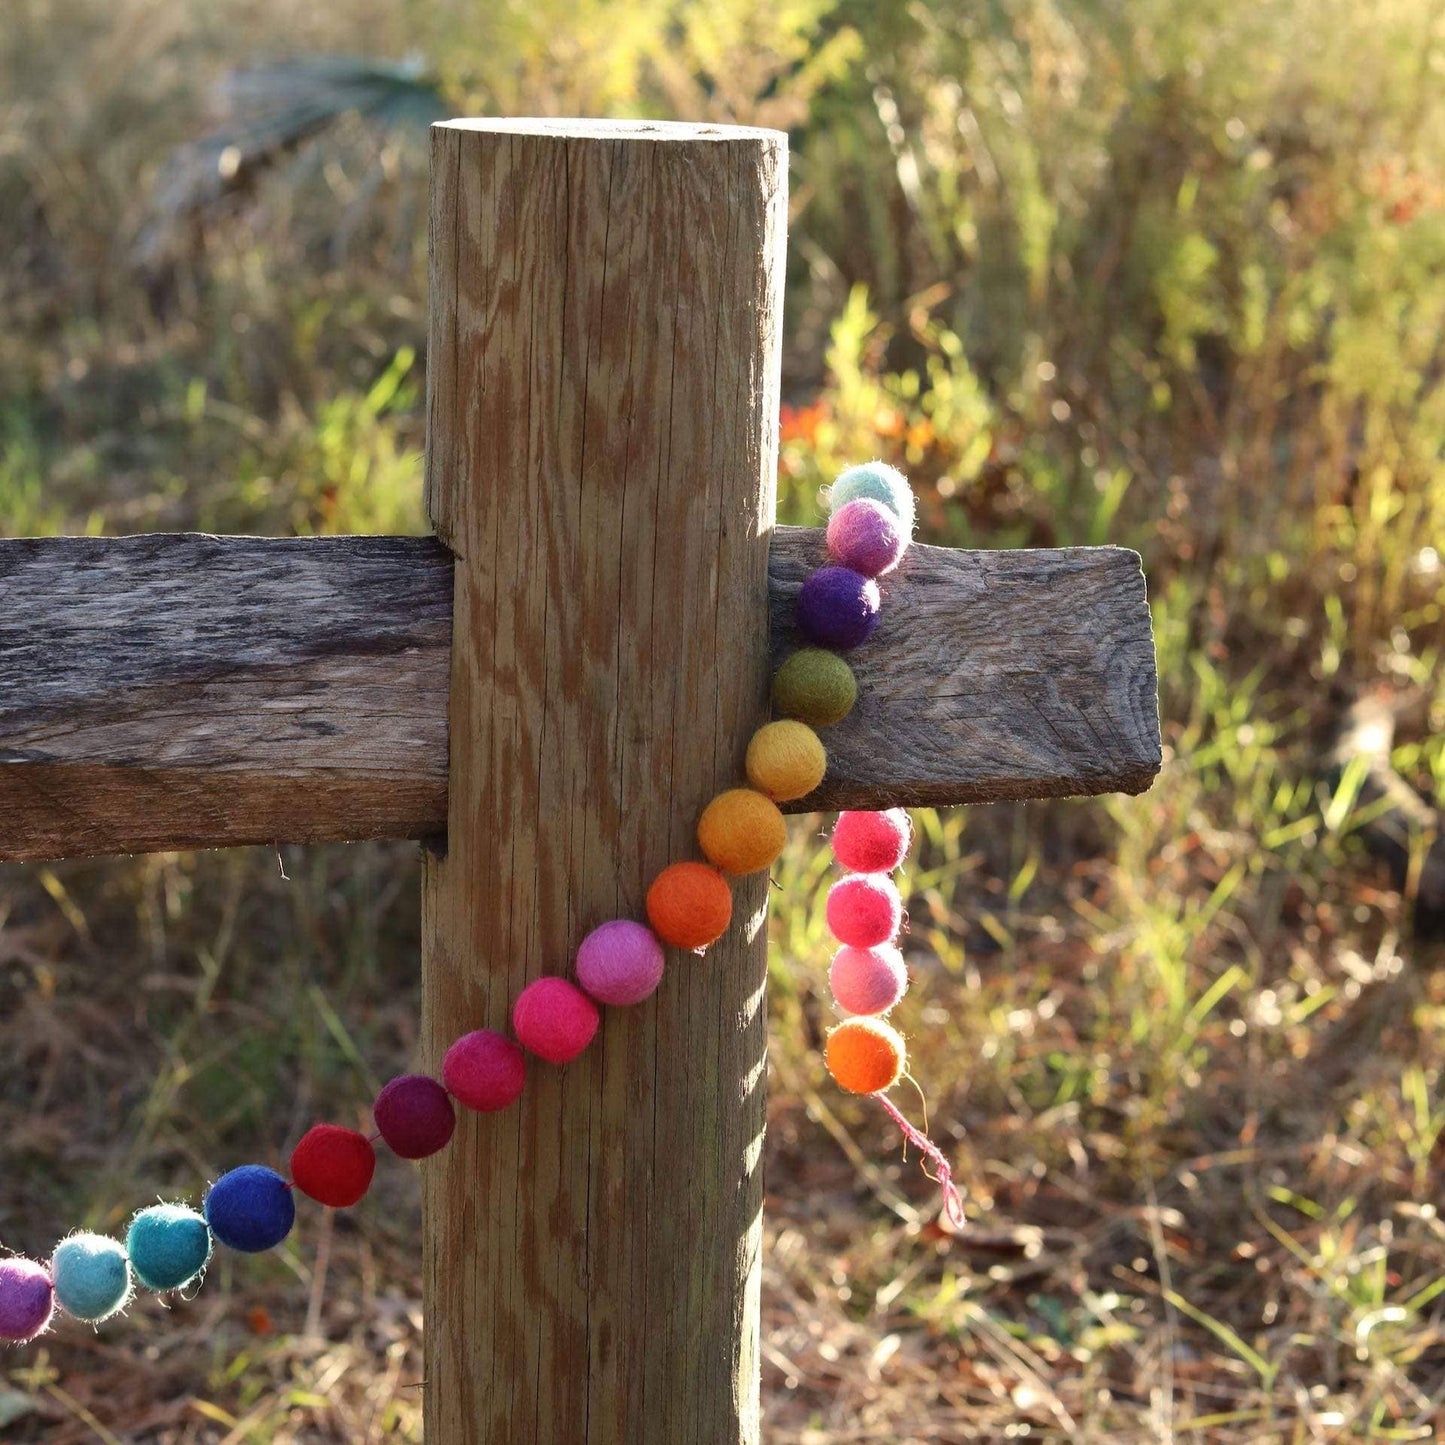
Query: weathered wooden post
<point x="603" y="400"/>
<point x="603" y="397"/>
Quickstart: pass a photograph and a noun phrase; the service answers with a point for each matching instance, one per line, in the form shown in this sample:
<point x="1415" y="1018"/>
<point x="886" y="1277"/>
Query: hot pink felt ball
<point x="864" y="909"/>
<point x="868" y="980"/>
<point x="867" y="537"/>
<point x="414" y="1116"/>
<point x="872" y="842"/>
<point x="620" y="963"/>
<point x="554" y="1019"/>
<point x="27" y="1300"/>
<point x="485" y="1071"/>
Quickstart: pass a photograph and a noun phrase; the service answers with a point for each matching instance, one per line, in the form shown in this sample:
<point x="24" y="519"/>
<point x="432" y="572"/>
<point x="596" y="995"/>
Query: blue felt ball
<point x="91" y="1276"/>
<point x="250" y="1209"/>
<point x="880" y="482"/>
<point x="168" y="1246"/>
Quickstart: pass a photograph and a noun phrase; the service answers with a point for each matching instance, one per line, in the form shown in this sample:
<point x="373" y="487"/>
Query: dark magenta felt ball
<point x="250" y="1209"/>
<point x="414" y="1116"/>
<point x="485" y="1070"/>
<point x="333" y="1165"/>
<point x="838" y="607"/>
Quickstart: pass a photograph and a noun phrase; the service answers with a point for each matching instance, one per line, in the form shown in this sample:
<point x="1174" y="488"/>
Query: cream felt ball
<point x="620" y="963"/>
<point x="786" y="760"/>
<point x="872" y="842"/>
<point x="554" y="1019"/>
<point x="91" y="1275"/>
<point x="485" y="1071"/>
<point x="864" y="909"/>
<point x="868" y="980"/>
<point x="880" y="482"/>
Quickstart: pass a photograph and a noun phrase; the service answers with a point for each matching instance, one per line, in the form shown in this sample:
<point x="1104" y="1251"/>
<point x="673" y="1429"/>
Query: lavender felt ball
<point x="867" y="537"/>
<point x="838" y="607"/>
<point x="27" y="1300"/>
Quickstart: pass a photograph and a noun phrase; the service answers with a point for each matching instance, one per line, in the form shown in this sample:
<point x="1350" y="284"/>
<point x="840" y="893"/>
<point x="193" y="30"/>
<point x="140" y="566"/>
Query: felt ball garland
<point x="620" y="963"/>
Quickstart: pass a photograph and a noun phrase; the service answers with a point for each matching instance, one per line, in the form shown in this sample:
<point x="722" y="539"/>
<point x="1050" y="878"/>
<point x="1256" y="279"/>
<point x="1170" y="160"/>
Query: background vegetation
<point x="1163" y="274"/>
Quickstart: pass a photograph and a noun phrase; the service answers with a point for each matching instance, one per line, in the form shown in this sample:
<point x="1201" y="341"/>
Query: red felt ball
<point x="554" y="1019"/>
<point x="485" y="1071"/>
<point x="333" y="1165"/>
<point x="872" y="842"/>
<point x="414" y="1116"/>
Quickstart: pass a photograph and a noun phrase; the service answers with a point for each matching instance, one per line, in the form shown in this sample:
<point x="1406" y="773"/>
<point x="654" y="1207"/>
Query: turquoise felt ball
<point x="168" y="1245"/>
<point x="880" y="482"/>
<point x="91" y="1275"/>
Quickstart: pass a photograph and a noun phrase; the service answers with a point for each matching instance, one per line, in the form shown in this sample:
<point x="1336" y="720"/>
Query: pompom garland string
<point x="620" y="963"/>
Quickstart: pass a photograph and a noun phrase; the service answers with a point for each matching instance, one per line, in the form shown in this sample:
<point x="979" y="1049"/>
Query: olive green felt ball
<point x="816" y="687"/>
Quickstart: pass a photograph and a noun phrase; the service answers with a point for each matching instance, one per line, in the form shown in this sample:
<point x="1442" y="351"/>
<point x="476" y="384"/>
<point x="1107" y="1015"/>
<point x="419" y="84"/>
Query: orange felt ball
<point x="865" y="1056"/>
<point x="689" y="905"/>
<point x="742" y="831"/>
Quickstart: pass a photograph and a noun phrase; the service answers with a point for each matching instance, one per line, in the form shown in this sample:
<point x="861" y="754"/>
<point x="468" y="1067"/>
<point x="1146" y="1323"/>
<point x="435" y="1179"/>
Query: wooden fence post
<point x="603" y="398"/>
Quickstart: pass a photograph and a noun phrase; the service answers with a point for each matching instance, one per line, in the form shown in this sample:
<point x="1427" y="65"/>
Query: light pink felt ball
<point x="620" y="963"/>
<point x="485" y="1071"/>
<point x="866" y="537"/>
<point x="872" y="842"/>
<point x="554" y="1019"/>
<point x="864" y="909"/>
<point x="868" y="980"/>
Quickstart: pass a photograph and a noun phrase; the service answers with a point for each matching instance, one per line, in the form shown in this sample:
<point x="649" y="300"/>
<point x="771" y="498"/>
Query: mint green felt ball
<point x="880" y="482"/>
<point x="169" y="1245"/>
<point x="91" y="1275"/>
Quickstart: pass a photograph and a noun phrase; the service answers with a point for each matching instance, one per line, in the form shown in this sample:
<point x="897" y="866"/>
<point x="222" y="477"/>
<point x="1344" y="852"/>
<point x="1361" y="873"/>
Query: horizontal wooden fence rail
<point x="165" y="692"/>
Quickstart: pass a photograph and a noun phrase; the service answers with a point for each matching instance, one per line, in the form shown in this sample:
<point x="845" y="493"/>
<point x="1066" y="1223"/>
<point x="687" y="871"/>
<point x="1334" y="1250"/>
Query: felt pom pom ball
<point x="250" y="1209"/>
<point x="867" y="537"/>
<point x="880" y="482"/>
<point x="689" y="905"/>
<point x="815" y="687"/>
<point x="741" y="831"/>
<point x="786" y="760"/>
<point x="872" y="842"/>
<point x="415" y="1117"/>
<point x="169" y="1245"/>
<point x="485" y="1071"/>
<point x="554" y="1019"/>
<point x="838" y="607"/>
<point x="27" y="1300"/>
<point x="333" y="1165"/>
<point x="864" y="909"/>
<point x="868" y="980"/>
<point x="620" y="963"/>
<point x="91" y="1275"/>
<point x="865" y="1056"/>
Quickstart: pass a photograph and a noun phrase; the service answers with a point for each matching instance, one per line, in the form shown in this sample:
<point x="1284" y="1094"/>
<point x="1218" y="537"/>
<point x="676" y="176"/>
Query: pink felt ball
<point x="864" y="909"/>
<point x="554" y="1019"/>
<point x="872" y="842"/>
<point x="485" y="1071"/>
<point x="868" y="980"/>
<point x="620" y="963"/>
<point x="867" y="537"/>
<point x="27" y="1300"/>
<point x="414" y="1116"/>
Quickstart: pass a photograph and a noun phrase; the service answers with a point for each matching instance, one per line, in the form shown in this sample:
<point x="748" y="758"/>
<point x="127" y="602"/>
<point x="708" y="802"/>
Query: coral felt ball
<point x="868" y="980"/>
<point x="250" y="1209"/>
<point x="620" y="963"/>
<point x="815" y="687"/>
<point x="689" y="905"/>
<point x="91" y="1275"/>
<point x="742" y="831"/>
<point x="865" y="1056"/>
<point x="333" y="1165"/>
<point x="169" y="1245"/>
<point x="27" y="1300"/>
<point x="786" y="760"/>
<point x="867" y="537"/>
<point x="485" y="1071"/>
<point x="554" y="1019"/>
<point x="415" y="1117"/>
<point x="838" y="607"/>
<point x="880" y="482"/>
<point x="872" y="842"/>
<point x="864" y="909"/>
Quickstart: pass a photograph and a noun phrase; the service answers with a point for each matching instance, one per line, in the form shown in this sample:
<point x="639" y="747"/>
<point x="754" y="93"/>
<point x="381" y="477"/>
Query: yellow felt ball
<point x="786" y="760"/>
<point x="741" y="831"/>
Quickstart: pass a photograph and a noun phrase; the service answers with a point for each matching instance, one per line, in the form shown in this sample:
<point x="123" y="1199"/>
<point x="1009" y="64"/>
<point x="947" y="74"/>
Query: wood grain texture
<point x="603" y="396"/>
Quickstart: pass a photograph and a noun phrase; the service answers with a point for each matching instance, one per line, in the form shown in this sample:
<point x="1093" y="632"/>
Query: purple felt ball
<point x="838" y="607"/>
<point x="867" y="537"/>
<point x="414" y="1115"/>
<point x="620" y="963"/>
<point x="27" y="1300"/>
